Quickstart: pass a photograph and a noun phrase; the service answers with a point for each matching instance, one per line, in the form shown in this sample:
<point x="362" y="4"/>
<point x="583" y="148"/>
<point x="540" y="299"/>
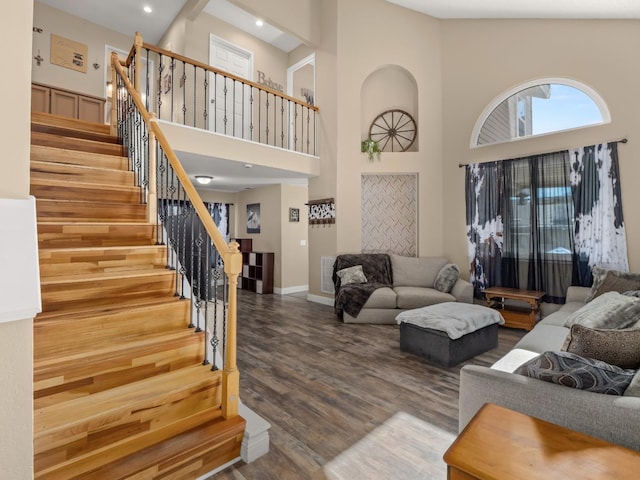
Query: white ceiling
<point x="127" y="17"/>
<point x="524" y="8"/>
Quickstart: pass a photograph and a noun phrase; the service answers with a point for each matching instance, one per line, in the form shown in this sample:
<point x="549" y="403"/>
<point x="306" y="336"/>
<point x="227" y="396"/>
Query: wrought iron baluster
<point x="295" y="127"/>
<point x="275" y="119"/>
<point x="147" y="83"/>
<point x="206" y="99"/>
<point x="225" y="105"/>
<point x="282" y="122"/>
<point x="183" y="85"/>
<point x="160" y="70"/>
<point x="259" y="115"/>
<point x="234" y="109"/>
<point x="251" y="112"/>
<point x="195" y="75"/>
<point x="199" y="244"/>
<point x="267" y="121"/>
<point x="308" y="123"/>
<point x="207" y="268"/>
<point x="171" y="85"/>
<point x="192" y="252"/>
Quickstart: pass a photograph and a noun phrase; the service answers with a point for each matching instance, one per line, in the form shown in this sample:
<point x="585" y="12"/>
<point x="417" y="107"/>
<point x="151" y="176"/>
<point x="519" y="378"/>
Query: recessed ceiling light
<point x="203" y="179"/>
<point x="147" y="9"/>
<point x="259" y="22"/>
<point x="248" y="165"/>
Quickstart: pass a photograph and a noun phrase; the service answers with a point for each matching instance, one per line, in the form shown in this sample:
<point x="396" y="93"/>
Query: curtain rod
<point x="460" y="165"/>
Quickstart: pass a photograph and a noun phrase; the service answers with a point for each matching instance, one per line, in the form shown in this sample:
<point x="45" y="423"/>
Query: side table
<point x="516" y="317"/>
<point x="499" y="443"/>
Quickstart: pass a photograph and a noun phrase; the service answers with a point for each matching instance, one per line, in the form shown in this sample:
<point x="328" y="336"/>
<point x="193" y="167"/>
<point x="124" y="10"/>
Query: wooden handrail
<point x="204" y="66"/>
<point x="230" y="253"/>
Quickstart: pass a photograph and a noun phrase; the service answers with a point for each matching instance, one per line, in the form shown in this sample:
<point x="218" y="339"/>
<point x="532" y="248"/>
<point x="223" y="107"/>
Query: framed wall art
<point x="253" y="218"/>
<point x="69" y="54"/>
<point x="294" y="214"/>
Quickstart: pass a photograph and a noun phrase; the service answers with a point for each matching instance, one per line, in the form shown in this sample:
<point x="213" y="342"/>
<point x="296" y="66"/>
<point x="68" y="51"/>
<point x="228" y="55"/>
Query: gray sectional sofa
<point x="609" y="417"/>
<point x="394" y="283"/>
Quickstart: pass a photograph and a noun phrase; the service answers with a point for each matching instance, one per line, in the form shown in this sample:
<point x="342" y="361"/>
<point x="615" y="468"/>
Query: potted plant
<point x="371" y="148"/>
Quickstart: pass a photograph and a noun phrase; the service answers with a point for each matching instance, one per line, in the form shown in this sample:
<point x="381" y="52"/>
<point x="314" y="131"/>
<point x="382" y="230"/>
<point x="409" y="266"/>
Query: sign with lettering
<point x="267" y="82"/>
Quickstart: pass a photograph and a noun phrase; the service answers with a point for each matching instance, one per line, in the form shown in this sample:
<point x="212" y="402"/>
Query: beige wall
<point x="57" y="22"/>
<point x="270" y="237"/>
<point x="294" y="258"/>
<point x="411" y="41"/>
<point x="323" y="240"/>
<point x="16" y="346"/>
<point x="478" y="65"/>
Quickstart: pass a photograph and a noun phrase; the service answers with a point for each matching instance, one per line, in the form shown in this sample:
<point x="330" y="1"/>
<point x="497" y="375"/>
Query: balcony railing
<point x="182" y="90"/>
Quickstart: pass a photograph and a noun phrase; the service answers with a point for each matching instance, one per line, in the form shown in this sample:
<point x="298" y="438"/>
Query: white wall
<point x="16" y="345"/>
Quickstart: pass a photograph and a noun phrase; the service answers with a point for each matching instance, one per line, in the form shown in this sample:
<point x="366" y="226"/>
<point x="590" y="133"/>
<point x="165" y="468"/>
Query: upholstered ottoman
<point x="449" y="333"/>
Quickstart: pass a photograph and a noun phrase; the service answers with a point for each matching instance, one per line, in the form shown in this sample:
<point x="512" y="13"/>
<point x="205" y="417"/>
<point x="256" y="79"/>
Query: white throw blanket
<point x="455" y="319"/>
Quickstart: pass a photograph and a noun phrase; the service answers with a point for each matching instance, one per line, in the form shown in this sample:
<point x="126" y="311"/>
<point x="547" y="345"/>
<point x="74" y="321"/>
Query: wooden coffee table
<point x="502" y="444"/>
<point x="514" y="316"/>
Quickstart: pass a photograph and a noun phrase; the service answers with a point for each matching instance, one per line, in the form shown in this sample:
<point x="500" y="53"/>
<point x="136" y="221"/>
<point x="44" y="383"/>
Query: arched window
<point x="537" y="108"/>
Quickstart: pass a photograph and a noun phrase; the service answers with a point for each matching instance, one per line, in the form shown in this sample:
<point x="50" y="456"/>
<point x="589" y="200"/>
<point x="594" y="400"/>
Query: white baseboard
<point x="320" y="299"/>
<point x="288" y="290"/>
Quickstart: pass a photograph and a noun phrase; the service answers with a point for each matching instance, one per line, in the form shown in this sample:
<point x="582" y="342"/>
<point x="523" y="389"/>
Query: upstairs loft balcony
<point x="219" y="123"/>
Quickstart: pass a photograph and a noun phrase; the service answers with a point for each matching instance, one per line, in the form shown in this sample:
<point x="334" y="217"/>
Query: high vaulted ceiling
<point x="614" y="9"/>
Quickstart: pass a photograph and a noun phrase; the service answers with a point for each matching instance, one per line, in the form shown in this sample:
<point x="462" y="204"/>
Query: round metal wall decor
<point x="394" y="130"/>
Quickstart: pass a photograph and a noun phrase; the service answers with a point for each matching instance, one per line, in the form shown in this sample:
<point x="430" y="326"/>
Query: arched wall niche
<point x="389" y="87"/>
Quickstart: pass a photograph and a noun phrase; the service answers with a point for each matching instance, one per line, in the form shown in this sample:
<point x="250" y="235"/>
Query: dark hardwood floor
<point x="323" y="385"/>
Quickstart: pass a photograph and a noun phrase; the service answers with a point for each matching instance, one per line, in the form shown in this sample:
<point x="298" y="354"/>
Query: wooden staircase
<point x="120" y="391"/>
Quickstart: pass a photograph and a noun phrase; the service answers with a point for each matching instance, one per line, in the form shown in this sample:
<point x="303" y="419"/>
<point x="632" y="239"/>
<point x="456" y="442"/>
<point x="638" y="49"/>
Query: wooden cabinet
<point x="245" y="244"/>
<point x="257" y="272"/>
<point x="66" y="103"/>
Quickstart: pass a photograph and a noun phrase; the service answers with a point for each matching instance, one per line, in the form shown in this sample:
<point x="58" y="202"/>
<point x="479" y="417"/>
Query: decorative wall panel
<point x="390" y="213"/>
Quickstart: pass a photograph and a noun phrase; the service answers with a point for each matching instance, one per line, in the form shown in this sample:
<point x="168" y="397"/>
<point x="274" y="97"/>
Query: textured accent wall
<point x="390" y="213"/>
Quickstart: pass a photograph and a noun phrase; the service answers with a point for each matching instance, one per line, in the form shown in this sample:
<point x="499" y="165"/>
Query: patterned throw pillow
<point x="617" y="347"/>
<point x="447" y="278"/>
<point x="605" y="280"/>
<point x="351" y="275"/>
<point x="609" y="310"/>
<point x="571" y="370"/>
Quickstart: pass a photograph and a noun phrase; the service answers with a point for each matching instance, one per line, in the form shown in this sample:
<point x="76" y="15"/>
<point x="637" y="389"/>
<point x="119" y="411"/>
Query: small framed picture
<point x="294" y="214"/>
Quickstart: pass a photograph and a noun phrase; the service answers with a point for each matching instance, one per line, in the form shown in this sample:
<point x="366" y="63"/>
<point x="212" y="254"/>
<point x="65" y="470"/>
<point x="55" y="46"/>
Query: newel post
<point x="230" y="374"/>
<point x="114" y="95"/>
<point x="138" y="69"/>
<point x="152" y="198"/>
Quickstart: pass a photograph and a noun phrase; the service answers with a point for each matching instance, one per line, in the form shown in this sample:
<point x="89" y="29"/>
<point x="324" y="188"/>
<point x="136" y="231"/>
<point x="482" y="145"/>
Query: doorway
<point x="230" y="99"/>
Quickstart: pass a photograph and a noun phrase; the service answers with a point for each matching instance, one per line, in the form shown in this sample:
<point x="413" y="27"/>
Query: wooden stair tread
<point x="92" y="187"/>
<point x="60" y="155"/>
<point x="141" y="303"/>
<point x="155" y="390"/>
<point x="175" y="452"/>
<point x="44" y="127"/>
<point x="72" y="143"/>
<point x="90" y="277"/>
<point x="68" y="122"/>
<point x="111" y="350"/>
<point x="97" y="171"/>
<point x="102" y="463"/>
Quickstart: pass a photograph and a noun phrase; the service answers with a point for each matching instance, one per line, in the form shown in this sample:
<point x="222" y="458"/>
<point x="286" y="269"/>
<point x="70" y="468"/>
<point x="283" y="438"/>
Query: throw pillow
<point x="633" y="390"/>
<point x="447" y="277"/>
<point x="609" y="310"/>
<point x="351" y="275"/>
<point x="571" y="370"/>
<point x="617" y="347"/>
<point x="605" y="280"/>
